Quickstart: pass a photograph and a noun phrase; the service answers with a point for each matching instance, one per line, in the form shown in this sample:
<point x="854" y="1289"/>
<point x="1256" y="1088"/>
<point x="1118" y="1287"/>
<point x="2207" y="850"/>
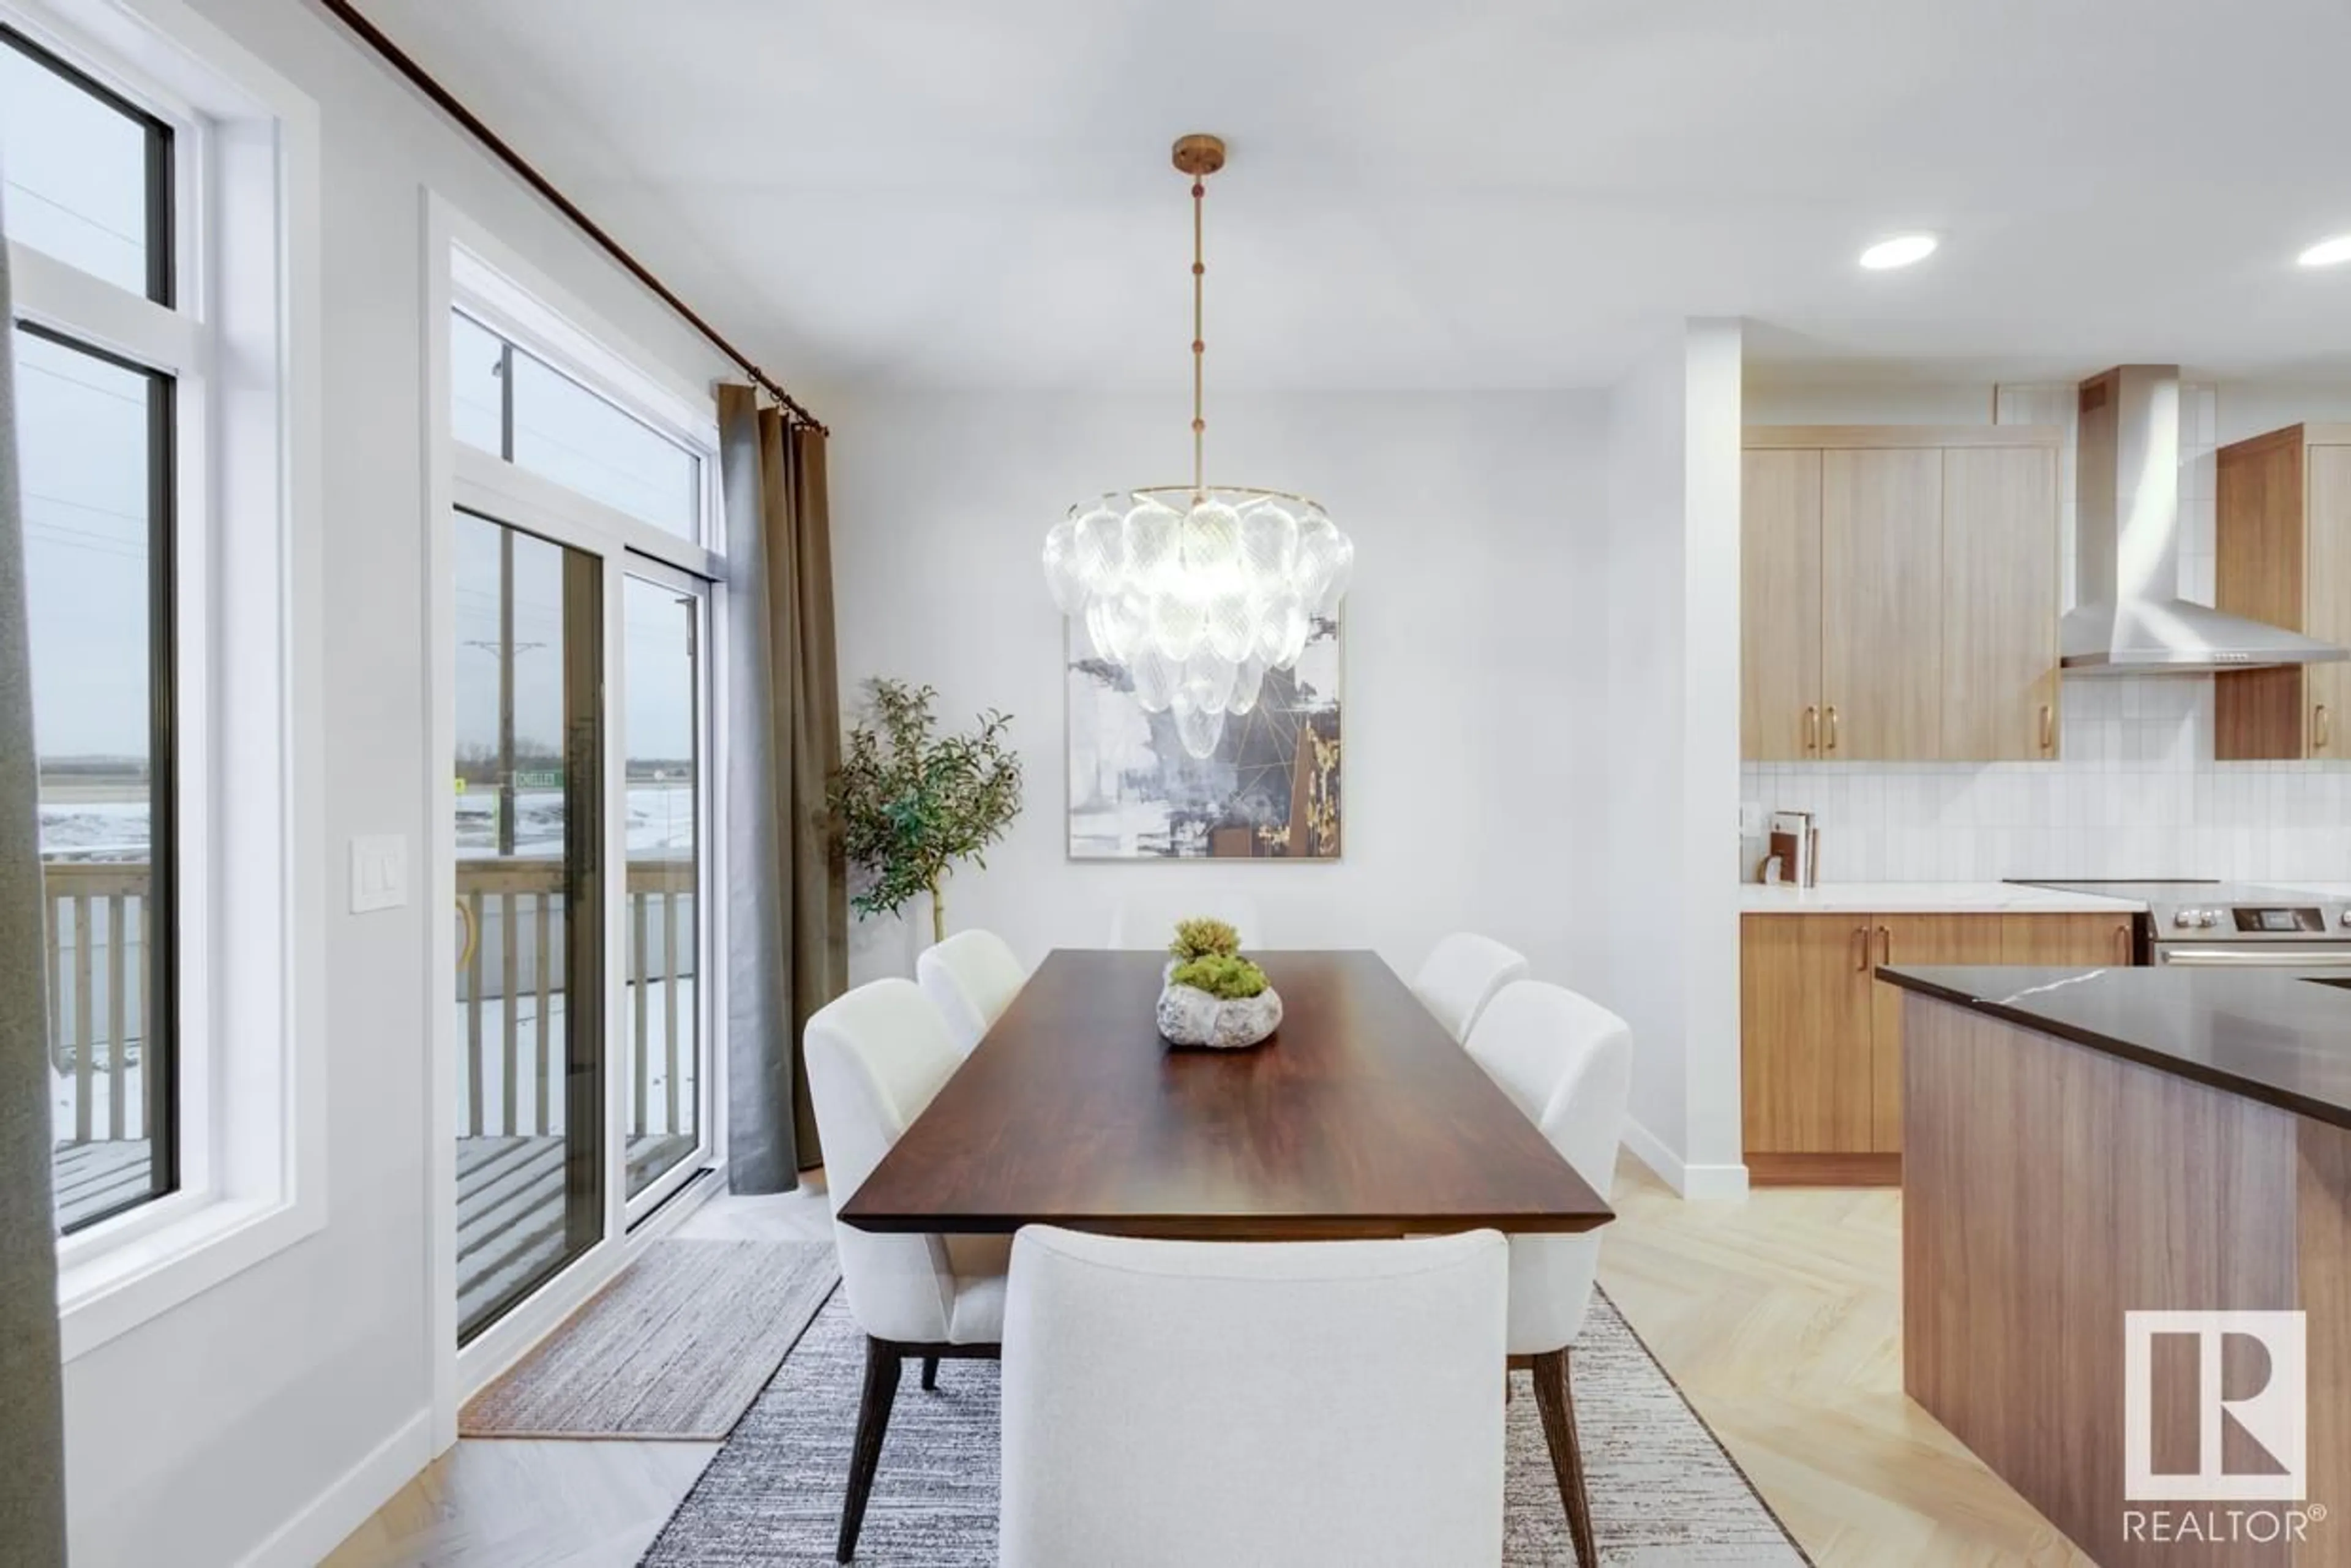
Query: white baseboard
<point x="343" y="1506"/>
<point x="1705" y="1184"/>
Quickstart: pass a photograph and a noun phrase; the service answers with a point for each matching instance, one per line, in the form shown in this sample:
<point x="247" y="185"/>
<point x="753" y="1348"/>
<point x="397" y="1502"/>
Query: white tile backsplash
<point x="2137" y="793"/>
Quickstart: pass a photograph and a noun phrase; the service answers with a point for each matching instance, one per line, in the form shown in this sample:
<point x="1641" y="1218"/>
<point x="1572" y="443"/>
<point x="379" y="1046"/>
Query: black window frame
<point x="163" y="199"/>
<point x="160" y="1048"/>
<point x="159" y="1051"/>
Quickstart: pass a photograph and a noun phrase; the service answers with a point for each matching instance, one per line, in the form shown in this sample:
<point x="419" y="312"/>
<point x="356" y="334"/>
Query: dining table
<point x="1360" y="1117"/>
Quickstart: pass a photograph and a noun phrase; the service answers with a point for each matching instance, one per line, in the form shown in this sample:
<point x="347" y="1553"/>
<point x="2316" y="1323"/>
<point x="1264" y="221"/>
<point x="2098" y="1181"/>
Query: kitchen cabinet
<point x="1779" y="605"/>
<point x="2284" y="544"/>
<point x="1881" y="603"/>
<point x="1821" y="1040"/>
<point x="1900" y="593"/>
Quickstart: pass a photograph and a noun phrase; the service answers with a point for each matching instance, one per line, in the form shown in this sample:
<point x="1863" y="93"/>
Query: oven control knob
<point x="2346" y="917"/>
<point x="2208" y="917"/>
<point x="2184" y="918"/>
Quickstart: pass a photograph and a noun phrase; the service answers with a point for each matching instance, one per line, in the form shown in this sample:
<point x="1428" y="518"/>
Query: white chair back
<point x="1461" y="976"/>
<point x="971" y="977"/>
<point x="1567" y="1062"/>
<point x="875" y="1057"/>
<point x="1168" y="1403"/>
<point x="1140" y="921"/>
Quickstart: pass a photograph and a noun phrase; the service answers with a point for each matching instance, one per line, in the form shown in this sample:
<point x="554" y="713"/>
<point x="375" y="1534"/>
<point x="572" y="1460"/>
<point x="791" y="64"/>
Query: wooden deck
<point x="510" y="1200"/>
<point x="510" y="1208"/>
<point x="92" y="1178"/>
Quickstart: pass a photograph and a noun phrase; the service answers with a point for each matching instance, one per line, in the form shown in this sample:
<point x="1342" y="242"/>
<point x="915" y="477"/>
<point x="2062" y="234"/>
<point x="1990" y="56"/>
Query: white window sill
<point x="108" y="1285"/>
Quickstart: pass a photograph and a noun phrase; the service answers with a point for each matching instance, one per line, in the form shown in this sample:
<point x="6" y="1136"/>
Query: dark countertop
<point x="2280" y="1036"/>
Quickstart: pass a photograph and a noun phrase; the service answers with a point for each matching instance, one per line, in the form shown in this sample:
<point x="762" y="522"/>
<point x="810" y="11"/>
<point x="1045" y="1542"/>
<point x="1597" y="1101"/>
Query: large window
<point x="89" y="179"/>
<point x="160" y="213"/>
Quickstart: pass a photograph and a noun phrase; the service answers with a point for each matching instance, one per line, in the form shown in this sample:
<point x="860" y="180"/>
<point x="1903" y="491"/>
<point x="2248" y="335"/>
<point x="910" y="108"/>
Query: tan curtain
<point x="32" y="1430"/>
<point x="787" y="897"/>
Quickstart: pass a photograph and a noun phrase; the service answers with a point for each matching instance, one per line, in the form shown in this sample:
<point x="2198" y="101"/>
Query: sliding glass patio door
<point x="529" y="777"/>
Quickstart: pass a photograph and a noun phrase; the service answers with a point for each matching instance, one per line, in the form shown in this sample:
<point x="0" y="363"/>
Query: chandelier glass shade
<point x="1196" y="592"/>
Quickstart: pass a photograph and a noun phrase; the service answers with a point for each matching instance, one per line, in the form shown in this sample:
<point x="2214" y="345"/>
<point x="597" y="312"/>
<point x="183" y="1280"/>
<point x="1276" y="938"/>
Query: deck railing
<point x="99" y="1011"/>
<point x="511" y="987"/>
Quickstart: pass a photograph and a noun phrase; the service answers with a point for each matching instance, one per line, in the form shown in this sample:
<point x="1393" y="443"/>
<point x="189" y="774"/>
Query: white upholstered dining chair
<point x="875" y="1057"/>
<point x="971" y="977"/>
<point x="1567" y="1062"/>
<point x="1140" y="921"/>
<point x="1460" y="977"/>
<point x="1168" y="1404"/>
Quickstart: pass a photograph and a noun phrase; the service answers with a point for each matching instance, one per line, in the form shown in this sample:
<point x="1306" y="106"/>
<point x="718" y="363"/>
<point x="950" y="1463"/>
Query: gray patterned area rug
<point x="1663" y="1489"/>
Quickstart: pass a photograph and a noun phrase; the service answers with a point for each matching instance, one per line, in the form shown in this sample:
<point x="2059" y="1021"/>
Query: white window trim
<point x="251" y="1016"/>
<point x="466" y="266"/>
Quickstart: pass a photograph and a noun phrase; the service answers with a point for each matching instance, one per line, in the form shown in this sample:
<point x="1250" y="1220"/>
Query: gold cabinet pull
<point x="1812" y="727"/>
<point x="2048" y="729"/>
<point x="2322" y="732"/>
<point x="1832" y="726"/>
<point x="1860" y="944"/>
<point x="1885" y="947"/>
<point x="2123" y="943"/>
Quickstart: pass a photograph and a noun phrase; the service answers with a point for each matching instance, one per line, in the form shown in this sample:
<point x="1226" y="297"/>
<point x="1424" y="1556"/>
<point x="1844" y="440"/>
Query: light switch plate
<point x="378" y="873"/>
<point x="1750" y="819"/>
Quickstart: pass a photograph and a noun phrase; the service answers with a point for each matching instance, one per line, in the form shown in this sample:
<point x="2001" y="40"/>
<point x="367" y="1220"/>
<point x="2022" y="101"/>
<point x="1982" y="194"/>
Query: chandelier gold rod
<point x="1200" y="337"/>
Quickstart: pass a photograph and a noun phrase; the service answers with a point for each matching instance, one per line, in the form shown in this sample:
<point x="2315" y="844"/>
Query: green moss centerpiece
<point x="1213" y="996"/>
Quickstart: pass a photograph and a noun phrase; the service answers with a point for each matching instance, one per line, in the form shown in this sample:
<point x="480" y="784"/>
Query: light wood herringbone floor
<point x="1780" y="1317"/>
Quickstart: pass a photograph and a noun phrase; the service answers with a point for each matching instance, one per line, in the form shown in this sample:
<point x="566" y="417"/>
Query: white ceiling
<point x="1504" y="194"/>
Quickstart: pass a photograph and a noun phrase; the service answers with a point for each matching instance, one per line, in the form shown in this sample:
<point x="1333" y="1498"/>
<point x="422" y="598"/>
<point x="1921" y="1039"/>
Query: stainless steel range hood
<point x="2131" y="619"/>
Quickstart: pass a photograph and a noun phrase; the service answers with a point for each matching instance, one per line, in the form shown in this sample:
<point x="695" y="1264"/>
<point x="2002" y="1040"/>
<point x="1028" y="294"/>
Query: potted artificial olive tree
<point x="910" y="803"/>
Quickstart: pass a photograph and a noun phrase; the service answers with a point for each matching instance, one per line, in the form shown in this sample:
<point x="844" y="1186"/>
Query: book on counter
<point x="1795" y="844"/>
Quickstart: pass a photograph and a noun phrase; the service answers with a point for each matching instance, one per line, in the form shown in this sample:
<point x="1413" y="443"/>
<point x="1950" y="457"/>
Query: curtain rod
<point x="424" y="82"/>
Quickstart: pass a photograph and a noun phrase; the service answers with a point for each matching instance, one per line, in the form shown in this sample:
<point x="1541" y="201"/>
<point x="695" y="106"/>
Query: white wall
<point x="2136" y="792"/>
<point x="1474" y="717"/>
<point x="1673" y="710"/>
<point x="198" y="1436"/>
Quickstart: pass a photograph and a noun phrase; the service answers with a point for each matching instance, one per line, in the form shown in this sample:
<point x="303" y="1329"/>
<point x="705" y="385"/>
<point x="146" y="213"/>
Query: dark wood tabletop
<point x="1360" y="1117"/>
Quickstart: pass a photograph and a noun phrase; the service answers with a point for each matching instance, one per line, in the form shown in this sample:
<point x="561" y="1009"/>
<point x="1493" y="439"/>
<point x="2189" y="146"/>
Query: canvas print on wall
<point x="1270" y="791"/>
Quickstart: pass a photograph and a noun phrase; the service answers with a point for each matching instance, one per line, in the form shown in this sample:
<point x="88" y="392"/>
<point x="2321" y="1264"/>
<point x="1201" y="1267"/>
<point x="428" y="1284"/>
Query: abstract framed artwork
<point x="1270" y="792"/>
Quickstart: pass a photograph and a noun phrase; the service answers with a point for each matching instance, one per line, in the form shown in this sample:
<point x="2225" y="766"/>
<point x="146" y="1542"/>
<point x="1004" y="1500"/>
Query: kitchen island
<point x="2084" y="1144"/>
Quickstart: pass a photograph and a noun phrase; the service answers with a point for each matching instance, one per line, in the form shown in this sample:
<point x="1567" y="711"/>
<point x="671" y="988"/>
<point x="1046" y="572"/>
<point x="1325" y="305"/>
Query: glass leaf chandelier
<point x="1196" y="590"/>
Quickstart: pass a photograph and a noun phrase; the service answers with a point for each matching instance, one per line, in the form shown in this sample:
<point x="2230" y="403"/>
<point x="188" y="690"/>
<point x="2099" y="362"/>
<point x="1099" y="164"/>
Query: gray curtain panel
<point x="32" y="1416"/>
<point x="787" y="896"/>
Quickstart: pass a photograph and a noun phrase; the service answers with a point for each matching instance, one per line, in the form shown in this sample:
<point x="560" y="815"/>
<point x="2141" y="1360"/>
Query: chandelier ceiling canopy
<point x="1196" y="590"/>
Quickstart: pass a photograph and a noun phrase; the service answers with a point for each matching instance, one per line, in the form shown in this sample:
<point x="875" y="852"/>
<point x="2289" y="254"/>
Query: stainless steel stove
<point x="2216" y="923"/>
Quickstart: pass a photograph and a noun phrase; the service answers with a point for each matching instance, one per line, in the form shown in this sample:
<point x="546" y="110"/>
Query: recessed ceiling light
<point x="2327" y="252"/>
<point x="1899" y="251"/>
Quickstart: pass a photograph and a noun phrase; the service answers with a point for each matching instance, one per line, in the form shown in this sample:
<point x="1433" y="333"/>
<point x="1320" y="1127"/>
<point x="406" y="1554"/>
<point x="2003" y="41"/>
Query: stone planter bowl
<point x="1189" y="1016"/>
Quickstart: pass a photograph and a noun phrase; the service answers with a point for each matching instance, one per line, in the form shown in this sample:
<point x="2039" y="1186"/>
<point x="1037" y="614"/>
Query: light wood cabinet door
<point x="1779" y="606"/>
<point x="2062" y="940"/>
<point x="2328" y="587"/>
<point x="2258" y="571"/>
<point x="1913" y="939"/>
<point x="1882" y="604"/>
<point x="2000" y="604"/>
<point x="1804" y="1029"/>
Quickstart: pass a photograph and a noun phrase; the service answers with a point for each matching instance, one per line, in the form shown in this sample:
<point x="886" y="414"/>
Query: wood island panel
<point x="2048" y="1189"/>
